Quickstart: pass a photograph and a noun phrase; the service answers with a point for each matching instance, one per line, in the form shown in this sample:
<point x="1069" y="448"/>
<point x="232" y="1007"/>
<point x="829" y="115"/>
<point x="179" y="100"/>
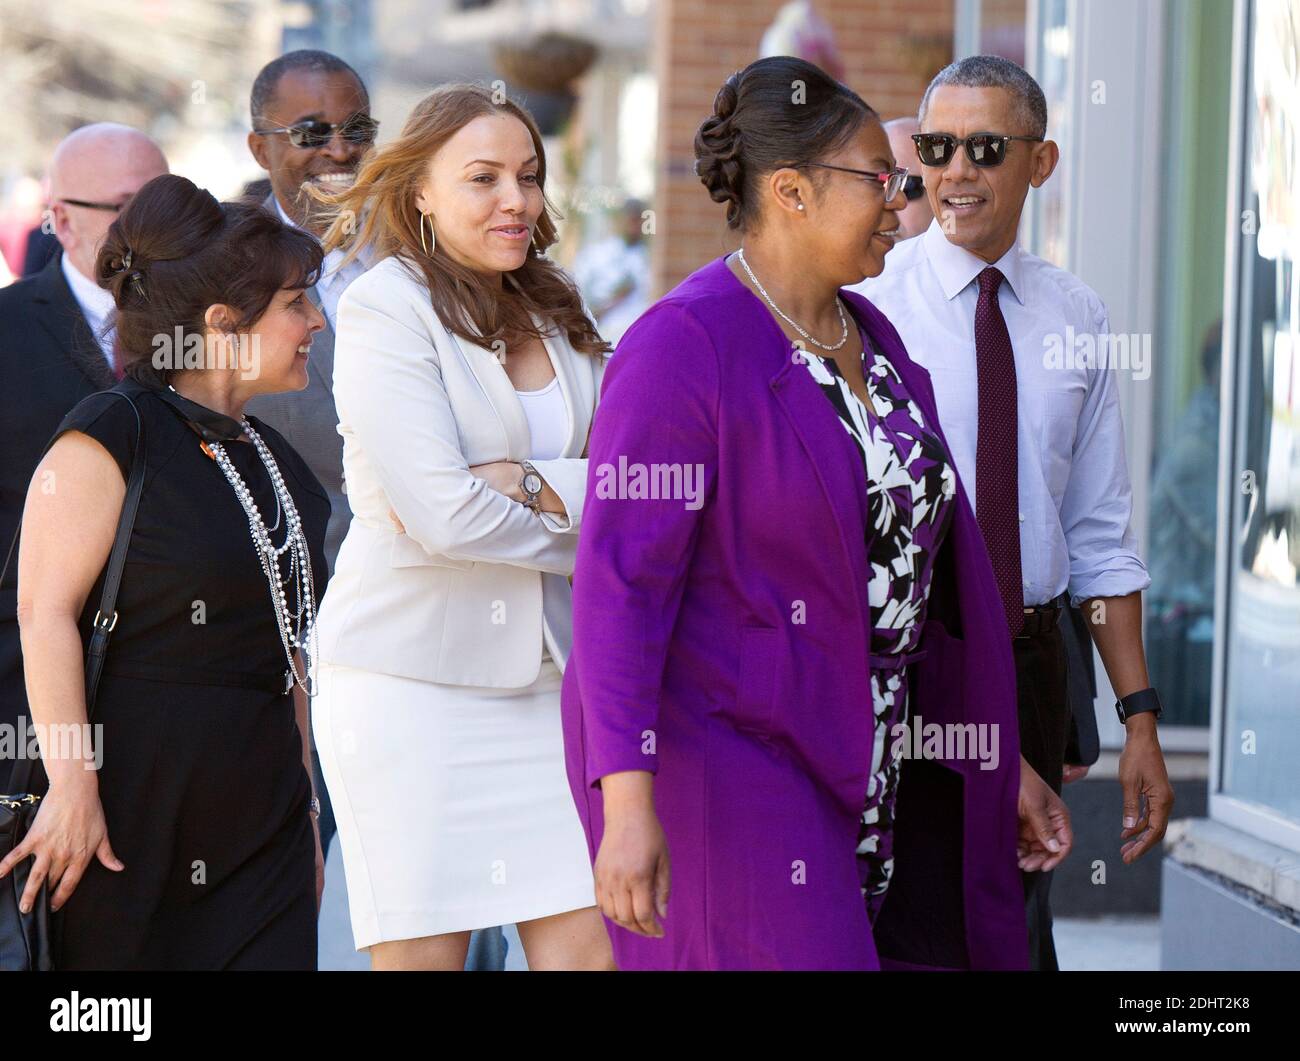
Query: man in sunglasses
<point x="311" y="126"/>
<point x="1039" y="446"/>
<point x="916" y="216"/>
<point x="56" y="343"/>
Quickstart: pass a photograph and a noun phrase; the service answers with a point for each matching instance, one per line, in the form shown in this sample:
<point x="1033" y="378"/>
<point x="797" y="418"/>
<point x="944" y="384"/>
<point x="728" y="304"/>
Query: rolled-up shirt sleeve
<point x="1097" y="507"/>
<point x="658" y="407"/>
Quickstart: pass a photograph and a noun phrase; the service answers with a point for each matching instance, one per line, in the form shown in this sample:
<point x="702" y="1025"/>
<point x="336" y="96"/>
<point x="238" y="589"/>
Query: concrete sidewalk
<point x="1081" y="943"/>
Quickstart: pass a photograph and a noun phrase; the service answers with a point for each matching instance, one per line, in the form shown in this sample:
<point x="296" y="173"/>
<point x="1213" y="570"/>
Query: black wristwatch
<point x="530" y="485"/>
<point x="1138" y="703"/>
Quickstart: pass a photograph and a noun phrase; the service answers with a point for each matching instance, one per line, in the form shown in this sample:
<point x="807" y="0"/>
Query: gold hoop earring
<point x="432" y="238"/>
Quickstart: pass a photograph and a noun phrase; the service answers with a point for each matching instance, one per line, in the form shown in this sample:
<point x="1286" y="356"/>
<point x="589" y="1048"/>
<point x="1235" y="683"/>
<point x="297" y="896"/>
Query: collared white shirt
<point x="96" y="304"/>
<point x="1076" y="501"/>
<point x="333" y="281"/>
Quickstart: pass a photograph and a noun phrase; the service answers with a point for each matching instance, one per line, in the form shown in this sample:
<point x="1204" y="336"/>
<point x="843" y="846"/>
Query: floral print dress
<point x="911" y="487"/>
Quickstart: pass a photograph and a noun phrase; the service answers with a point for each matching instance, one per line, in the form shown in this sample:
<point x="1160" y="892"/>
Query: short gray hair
<point x="992" y="71"/>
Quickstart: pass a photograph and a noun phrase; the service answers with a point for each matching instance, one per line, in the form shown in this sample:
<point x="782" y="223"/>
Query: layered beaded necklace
<point x="296" y="620"/>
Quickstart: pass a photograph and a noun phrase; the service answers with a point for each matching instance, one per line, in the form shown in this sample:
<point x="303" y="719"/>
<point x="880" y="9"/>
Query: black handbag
<point x="25" y="939"/>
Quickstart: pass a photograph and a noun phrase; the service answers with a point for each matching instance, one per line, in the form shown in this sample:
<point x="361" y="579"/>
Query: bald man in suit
<point x="55" y="342"/>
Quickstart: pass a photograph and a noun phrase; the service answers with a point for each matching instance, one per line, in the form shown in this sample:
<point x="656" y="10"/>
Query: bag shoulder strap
<point x="106" y="616"/>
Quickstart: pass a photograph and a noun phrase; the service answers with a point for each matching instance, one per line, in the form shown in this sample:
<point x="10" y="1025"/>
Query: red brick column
<point x="890" y="49"/>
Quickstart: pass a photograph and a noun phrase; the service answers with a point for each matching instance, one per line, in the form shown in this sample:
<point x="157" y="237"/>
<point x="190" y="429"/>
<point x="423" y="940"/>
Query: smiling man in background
<point x="916" y="216"/>
<point x="1039" y="447"/>
<point x="311" y="126"/>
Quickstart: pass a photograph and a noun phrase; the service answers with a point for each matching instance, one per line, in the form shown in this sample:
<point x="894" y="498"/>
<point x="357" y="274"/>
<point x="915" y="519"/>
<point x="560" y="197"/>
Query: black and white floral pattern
<point x="910" y="489"/>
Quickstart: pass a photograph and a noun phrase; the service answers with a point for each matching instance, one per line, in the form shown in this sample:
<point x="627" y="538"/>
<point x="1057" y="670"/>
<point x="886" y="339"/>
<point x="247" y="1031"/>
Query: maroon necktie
<point x="997" y="490"/>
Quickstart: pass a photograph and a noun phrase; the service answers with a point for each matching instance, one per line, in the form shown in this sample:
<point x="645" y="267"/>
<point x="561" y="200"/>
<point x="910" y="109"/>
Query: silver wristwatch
<point x="530" y="484"/>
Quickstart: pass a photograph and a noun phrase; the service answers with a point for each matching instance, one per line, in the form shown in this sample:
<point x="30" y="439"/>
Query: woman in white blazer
<point x="466" y="372"/>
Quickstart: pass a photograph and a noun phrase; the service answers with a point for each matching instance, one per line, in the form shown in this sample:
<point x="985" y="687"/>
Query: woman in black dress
<point x="192" y="845"/>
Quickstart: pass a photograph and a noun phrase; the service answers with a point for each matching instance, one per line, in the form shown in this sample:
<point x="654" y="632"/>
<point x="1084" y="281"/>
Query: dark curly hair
<point x="777" y="112"/>
<point x="175" y="250"/>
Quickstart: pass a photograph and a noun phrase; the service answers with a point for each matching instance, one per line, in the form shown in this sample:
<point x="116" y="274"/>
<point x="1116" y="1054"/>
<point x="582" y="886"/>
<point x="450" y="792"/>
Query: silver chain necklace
<point x="839" y="305"/>
<point x="296" y="623"/>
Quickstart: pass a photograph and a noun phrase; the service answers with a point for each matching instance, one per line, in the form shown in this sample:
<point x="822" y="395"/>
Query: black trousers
<point x="1043" y="710"/>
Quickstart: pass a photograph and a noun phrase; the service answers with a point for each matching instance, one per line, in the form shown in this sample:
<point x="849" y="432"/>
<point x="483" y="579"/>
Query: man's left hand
<point x="1143" y="777"/>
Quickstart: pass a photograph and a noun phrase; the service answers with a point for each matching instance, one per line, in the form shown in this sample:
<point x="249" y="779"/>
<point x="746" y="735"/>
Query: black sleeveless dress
<point x="202" y="779"/>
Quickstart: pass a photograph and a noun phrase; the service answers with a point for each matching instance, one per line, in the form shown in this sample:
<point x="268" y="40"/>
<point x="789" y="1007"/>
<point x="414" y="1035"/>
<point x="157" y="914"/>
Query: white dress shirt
<point x="1075" y="499"/>
<point x="96" y="304"/>
<point x="333" y="280"/>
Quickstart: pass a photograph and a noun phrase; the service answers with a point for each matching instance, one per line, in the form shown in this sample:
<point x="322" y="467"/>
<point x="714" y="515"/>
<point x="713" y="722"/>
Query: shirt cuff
<point x="1128" y="576"/>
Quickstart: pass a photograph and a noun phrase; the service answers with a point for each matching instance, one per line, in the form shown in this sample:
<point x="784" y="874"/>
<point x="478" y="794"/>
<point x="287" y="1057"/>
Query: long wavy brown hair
<point x="379" y="211"/>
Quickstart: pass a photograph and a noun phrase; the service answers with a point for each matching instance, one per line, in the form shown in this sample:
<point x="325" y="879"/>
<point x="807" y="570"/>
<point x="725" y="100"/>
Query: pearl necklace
<point x="297" y="626"/>
<point x="844" y="324"/>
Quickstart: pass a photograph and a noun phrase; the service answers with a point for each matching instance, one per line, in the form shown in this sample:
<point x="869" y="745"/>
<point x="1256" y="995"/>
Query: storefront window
<point x="1183" y="511"/>
<point x="1261" y="734"/>
<point x="1048" y="216"/>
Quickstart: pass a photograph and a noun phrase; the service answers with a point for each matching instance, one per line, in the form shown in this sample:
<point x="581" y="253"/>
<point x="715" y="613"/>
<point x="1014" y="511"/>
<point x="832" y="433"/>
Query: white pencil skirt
<point x="452" y="803"/>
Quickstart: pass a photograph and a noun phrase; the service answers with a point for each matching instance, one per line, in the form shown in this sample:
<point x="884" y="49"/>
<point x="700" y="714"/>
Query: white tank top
<point x="548" y="421"/>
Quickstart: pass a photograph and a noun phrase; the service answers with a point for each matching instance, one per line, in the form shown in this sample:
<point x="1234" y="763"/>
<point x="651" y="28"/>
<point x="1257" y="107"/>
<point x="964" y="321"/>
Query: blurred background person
<point x="1180" y="624"/>
<point x="56" y="341"/>
<point x="916" y="216"/>
<point x="613" y="274"/>
<point x="26" y="237"/>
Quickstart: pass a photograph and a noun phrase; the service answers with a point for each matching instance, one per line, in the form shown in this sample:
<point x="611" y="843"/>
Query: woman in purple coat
<point x="790" y="712"/>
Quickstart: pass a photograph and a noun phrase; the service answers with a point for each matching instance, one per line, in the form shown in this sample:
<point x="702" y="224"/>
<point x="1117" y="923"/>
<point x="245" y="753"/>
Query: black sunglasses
<point x="983" y="149"/>
<point x="913" y="187"/>
<point x="359" y="129"/>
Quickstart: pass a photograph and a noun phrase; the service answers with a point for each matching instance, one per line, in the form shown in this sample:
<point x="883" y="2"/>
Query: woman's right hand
<point x="632" y="872"/>
<point x="68" y="832"/>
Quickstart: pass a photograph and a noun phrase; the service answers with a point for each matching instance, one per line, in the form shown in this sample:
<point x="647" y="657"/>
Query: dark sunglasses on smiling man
<point x="359" y="129"/>
<point x="983" y="149"/>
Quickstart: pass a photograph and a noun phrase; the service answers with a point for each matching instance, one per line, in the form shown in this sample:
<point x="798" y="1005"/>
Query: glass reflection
<point x="1262" y="732"/>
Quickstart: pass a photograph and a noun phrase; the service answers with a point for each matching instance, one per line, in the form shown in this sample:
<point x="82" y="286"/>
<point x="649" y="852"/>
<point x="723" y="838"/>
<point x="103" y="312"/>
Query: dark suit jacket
<point x="308" y="420"/>
<point x="49" y="361"/>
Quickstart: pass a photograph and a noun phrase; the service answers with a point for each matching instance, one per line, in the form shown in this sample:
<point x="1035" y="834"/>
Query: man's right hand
<point x="1045" y="837"/>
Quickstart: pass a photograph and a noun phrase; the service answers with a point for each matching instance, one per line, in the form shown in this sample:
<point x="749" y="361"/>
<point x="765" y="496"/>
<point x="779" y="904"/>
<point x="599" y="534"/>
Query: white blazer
<point x="467" y="594"/>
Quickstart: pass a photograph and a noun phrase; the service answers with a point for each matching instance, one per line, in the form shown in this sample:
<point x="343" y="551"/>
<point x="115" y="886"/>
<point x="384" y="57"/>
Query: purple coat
<point x="721" y="640"/>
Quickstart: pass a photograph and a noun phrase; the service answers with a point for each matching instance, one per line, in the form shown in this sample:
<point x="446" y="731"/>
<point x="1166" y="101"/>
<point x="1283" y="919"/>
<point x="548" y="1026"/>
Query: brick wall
<point x="890" y="50"/>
